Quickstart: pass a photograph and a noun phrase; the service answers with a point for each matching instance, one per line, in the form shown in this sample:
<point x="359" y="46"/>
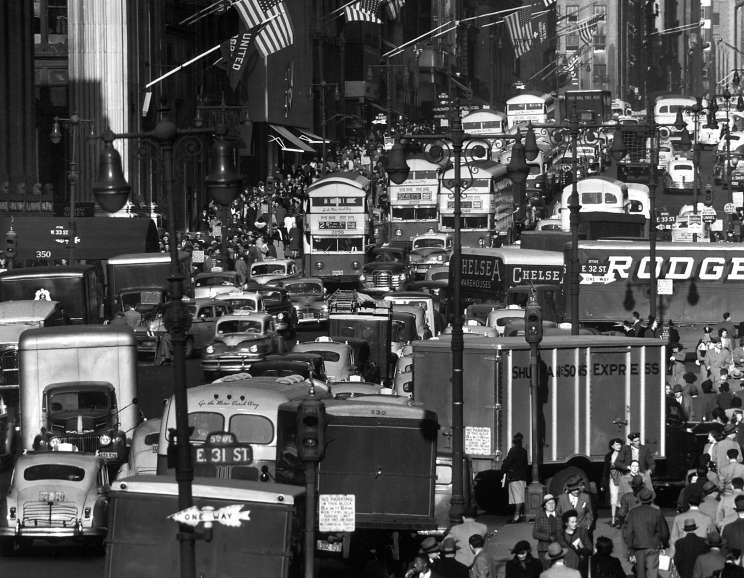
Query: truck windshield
<point x="239" y="326"/>
<point x="140" y="275"/>
<point x="53" y="472"/>
<point x="77" y="400"/>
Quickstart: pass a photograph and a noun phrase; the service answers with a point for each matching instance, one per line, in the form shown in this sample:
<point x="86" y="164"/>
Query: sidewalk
<point x="500" y="544"/>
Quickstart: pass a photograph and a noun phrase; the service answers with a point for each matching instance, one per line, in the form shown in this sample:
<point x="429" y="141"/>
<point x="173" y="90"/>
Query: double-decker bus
<point x="666" y="108"/>
<point x="527" y="107"/>
<point x="487" y="201"/>
<point x="336" y="227"/>
<point x="413" y="203"/>
<point x="485" y="122"/>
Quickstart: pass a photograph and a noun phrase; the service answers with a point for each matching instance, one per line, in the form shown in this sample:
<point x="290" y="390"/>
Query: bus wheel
<point x="488" y="493"/>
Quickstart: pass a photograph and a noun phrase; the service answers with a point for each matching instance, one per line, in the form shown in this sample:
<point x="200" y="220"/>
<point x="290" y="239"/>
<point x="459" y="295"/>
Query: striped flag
<point x="234" y="51"/>
<point x="393" y="8"/>
<point x="520" y="30"/>
<point x="363" y="11"/>
<point x="277" y="33"/>
<point x="548" y="3"/>
<point x="588" y="27"/>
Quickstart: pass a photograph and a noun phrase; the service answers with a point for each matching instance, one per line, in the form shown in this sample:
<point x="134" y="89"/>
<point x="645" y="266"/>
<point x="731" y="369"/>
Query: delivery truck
<point x="78" y="387"/>
<point x="591" y="389"/>
<point x="255" y="531"/>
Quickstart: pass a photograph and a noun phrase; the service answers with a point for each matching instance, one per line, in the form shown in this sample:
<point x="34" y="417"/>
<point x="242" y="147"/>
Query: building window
<point x="600" y="40"/>
<point x="601" y="10"/>
<point x="599" y="73"/>
<point x="572" y="12"/>
<point x="572" y="42"/>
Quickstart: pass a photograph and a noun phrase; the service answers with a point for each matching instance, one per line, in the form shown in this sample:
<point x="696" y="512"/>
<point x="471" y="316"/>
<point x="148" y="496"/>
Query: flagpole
<point x="203" y="13"/>
<point x="182" y="66"/>
<point x="389" y="53"/>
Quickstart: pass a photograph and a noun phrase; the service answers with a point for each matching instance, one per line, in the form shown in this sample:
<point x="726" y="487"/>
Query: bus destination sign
<point x="223" y="448"/>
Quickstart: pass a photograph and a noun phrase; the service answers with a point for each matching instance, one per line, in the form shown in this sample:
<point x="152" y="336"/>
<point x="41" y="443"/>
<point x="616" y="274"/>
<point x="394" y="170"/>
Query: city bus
<point x="606" y="195"/>
<point x="413" y="203"/>
<point x="666" y="108"/>
<point x="485" y="122"/>
<point x="527" y="107"/>
<point x="337" y="227"/>
<point x="487" y="202"/>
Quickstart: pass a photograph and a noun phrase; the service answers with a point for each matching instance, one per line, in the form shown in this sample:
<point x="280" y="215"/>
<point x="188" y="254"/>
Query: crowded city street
<point x="371" y="288"/>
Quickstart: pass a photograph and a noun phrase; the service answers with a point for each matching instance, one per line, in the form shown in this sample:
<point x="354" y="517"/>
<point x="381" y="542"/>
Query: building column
<point x="98" y="74"/>
<point x="18" y="171"/>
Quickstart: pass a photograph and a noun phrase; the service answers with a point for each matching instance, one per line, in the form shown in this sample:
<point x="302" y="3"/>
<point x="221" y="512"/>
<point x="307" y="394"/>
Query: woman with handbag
<point x="577" y="542"/>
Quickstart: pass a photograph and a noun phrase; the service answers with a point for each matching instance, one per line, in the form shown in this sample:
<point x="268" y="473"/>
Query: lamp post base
<point x="535" y="493"/>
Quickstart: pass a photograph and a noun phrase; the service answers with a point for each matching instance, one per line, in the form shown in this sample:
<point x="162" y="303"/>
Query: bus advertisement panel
<point x="413" y="204"/>
<point x="336" y="226"/>
<point x="696" y="283"/>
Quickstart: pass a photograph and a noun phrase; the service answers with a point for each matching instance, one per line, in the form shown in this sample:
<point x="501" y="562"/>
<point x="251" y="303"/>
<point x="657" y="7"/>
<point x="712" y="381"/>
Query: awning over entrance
<point x="288" y="141"/>
<point x="312" y="138"/>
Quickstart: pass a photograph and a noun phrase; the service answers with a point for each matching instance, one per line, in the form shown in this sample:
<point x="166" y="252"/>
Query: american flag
<point x="277" y="33"/>
<point x="520" y="30"/>
<point x="363" y="11"/>
<point x="587" y="28"/>
<point x="548" y="3"/>
<point x="393" y="8"/>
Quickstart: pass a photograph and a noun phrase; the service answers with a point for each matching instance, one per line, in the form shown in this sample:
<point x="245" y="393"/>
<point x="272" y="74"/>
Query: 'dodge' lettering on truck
<point x="597" y="369"/>
<point x="676" y="267"/>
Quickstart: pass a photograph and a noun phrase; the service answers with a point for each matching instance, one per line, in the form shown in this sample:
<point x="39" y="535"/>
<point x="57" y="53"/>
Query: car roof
<point x="79" y="459"/>
<point x="301" y="280"/>
<point x="251" y="315"/>
<point x="216" y="274"/>
<point x="321" y="346"/>
<point x="238" y="295"/>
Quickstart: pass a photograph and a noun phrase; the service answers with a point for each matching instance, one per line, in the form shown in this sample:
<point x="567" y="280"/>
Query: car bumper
<point x="309" y="317"/>
<point x="231" y="364"/>
<point x="680" y="185"/>
<point x="21" y="531"/>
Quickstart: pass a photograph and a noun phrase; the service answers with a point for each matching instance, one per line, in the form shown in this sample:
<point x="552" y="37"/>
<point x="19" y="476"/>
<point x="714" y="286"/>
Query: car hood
<point x="306" y="299"/>
<point x="394" y="267"/>
<point x="233" y="339"/>
<point x="73" y="493"/>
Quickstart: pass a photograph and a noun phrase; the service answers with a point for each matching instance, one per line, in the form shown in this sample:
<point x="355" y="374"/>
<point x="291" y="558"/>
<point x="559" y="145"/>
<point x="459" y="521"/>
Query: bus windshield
<point x="329" y="244"/>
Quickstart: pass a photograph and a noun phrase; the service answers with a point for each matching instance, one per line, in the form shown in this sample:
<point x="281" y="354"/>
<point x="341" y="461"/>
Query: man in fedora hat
<point x="703" y="522"/>
<point x="447" y="565"/>
<point x="558" y="569"/>
<point x="733" y="533"/>
<point x="688" y="548"/>
<point x="523" y="565"/>
<point x="575" y="498"/>
<point x="645" y="532"/>
<point x="547" y="527"/>
<point x="430" y="548"/>
<point x="712" y="560"/>
<point x="636" y="451"/>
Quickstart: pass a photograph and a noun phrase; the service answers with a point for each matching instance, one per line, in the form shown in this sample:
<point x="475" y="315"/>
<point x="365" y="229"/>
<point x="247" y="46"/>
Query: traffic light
<point x="708" y="195"/>
<point x="533" y="323"/>
<point x="10" y="244"/>
<point x="311" y="422"/>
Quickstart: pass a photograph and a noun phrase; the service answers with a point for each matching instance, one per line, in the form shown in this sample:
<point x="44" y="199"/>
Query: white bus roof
<point x="515" y="255"/>
<point x="484" y="115"/>
<point x="256" y="390"/>
<point x="334" y="180"/>
<point x="420" y="163"/>
<point x="717" y="249"/>
<point x="591" y="183"/>
<point x="75" y="336"/>
<point x="529" y="97"/>
<point x="136" y="258"/>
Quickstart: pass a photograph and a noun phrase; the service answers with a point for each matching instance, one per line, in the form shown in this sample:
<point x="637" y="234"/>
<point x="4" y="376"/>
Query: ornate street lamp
<point x="223" y="185"/>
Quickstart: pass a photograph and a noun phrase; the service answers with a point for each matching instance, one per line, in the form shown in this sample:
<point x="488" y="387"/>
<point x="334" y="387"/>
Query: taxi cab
<point x="55" y="495"/>
<point x="269" y="270"/>
<point x="338" y="357"/>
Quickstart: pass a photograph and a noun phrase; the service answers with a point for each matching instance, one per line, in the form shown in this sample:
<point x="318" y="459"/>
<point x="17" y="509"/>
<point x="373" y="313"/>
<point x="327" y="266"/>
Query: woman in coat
<point x="576" y="540"/>
<point x="611" y="477"/>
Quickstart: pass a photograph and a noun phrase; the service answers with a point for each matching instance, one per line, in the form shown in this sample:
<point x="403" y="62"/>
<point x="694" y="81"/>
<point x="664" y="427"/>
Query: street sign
<point x="665" y="286"/>
<point x="729" y="208"/>
<point x="232" y="516"/>
<point x="664" y="220"/>
<point x="337" y="512"/>
<point x="223" y="449"/>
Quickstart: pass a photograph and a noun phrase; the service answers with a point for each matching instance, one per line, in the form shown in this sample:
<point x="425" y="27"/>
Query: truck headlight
<point x="362" y="277"/>
<point x="280" y="316"/>
<point x="104" y="439"/>
<point x="209" y="349"/>
<point x="253" y="348"/>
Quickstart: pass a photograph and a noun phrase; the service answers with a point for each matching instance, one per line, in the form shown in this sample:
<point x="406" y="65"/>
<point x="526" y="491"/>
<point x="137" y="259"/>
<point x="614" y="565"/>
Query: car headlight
<point x="362" y="277"/>
<point x="253" y="348"/>
<point x="54" y="443"/>
<point x="104" y="439"/>
<point x="209" y="349"/>
<point x="280" y="316"/>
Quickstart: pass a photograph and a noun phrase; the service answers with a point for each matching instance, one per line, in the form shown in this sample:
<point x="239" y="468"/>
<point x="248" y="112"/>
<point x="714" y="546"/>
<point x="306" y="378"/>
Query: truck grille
<point x="382" y="279"/>
<point x="84" y="442"/>
<point x="42" y="515"/>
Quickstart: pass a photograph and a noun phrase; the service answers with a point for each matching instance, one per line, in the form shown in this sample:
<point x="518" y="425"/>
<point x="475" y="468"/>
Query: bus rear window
<point x="253" y="429"/>
<point x="205" y="423"/>
<point x="53" y="472"/>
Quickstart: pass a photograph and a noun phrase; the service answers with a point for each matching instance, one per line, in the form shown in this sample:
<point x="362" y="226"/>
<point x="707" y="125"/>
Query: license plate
<point x="326" y="546"/>
<point x="337" y="272"/>
<point x="155" y="448"/>
<point x="109" y="455"/>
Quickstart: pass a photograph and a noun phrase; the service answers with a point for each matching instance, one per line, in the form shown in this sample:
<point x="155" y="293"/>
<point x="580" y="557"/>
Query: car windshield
<point x="331" y="356"/>
<point x="239" y="326"/>
<point x="304" y="287"/>
<point x="244" y="304"/>
<point x="420" y="243"/>
<point x="215" y="281"/>
<point x="76" y="400"/>
<point x="53" y="472"/>
<point x="682" y="167"/>
<point x="272" y="297"/>
<point x="267" y="269"/>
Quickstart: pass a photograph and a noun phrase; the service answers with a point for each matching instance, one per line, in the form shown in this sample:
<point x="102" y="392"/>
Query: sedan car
<point x="268" y="270"/>
<point x="338" y="357"/>
<point x="55" y="495"/>
<point x="239" y="341"/>
<point x="422" y="259"/>
<point x="215" y="282"/>
<point x="204" y="314"/>
<point x="308" y="297"/>
<point x="680" y="175"/>
<point x="241" y="300"/>
<point x="385" y="269"/>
